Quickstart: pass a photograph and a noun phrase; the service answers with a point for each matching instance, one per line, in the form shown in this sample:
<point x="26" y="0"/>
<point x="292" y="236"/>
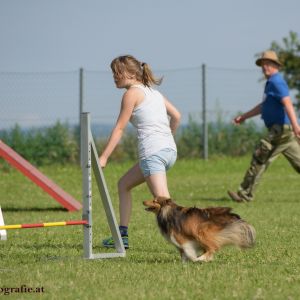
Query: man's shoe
<point x="236" y="197"/>
<point x="110" y="243"/>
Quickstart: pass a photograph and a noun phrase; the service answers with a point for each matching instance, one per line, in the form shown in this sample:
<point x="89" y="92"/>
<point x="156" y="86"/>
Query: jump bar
<point x="38" y="225"/>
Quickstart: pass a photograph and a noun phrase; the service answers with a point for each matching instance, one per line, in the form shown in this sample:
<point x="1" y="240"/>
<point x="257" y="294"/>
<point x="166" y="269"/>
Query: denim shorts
<point x="159" y="162"/>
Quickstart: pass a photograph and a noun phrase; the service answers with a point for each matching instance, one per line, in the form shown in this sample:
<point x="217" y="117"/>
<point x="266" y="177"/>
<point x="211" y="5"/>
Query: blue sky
<point x="64" y="35"/>
<point x="51" y="35"/>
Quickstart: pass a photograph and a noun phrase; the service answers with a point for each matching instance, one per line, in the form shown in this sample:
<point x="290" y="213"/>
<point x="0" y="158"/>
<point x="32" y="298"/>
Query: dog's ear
<point x="163" y="200"/>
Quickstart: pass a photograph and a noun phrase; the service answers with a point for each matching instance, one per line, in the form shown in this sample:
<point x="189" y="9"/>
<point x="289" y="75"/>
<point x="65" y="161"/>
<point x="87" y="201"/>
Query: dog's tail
<point x="238" y="233"/>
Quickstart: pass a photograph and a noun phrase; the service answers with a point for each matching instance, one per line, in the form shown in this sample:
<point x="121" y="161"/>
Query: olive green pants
<point x="280" y="139"/>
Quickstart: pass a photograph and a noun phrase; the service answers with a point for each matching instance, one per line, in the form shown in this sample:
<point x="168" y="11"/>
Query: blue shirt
<point x="273" y="111"/>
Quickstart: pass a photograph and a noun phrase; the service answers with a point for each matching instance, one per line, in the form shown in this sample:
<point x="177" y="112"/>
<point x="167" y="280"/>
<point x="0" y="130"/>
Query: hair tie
<point x="142" y="64"/>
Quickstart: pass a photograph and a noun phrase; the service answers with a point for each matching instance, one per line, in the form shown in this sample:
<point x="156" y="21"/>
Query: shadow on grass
<point x="222" y="199"/>
<point x="56" y="246"/>
<point x="156" y="260"/>
<point x="31" y="209"/>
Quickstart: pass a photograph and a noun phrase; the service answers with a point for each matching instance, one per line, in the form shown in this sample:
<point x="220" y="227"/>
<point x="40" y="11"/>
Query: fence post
<point x="204" y="121"/>
<point x="81" y="84"/>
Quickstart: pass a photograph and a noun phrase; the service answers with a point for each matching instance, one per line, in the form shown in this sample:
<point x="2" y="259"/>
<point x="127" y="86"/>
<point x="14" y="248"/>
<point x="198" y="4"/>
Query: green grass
<point x="52" y="257"/>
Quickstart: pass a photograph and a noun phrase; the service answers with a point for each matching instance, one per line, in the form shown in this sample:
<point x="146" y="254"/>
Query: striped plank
<point x="39" y="225"/>
<point x="21" y="164"/>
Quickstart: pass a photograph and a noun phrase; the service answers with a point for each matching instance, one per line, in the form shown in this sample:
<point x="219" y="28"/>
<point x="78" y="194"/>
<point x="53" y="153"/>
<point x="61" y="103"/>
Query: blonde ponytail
<point x="148" y="78"/>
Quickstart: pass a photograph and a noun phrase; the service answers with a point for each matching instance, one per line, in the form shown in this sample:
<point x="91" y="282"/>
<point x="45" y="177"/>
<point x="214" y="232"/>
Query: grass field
<point x="51" y="259"/>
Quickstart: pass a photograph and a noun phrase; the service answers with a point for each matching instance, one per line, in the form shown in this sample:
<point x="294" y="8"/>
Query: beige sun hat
<point x="268" y="55"/>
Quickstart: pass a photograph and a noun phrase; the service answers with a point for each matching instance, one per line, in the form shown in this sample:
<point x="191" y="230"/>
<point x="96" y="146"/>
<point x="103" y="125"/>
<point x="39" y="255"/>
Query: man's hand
<point x="238" y="120"/>
<point x="297" y="131"/>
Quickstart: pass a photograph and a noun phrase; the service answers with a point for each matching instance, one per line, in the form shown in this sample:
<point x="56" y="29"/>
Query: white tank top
<point x="152" y="123"/>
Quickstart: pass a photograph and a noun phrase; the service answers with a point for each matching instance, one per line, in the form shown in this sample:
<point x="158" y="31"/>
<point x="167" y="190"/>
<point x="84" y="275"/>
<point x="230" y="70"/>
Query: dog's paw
<point x="205" y="258"/>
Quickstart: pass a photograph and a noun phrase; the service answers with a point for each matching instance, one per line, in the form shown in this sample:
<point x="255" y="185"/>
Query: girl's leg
<point x="158" y="185"/>
<point x="132" y="178"/>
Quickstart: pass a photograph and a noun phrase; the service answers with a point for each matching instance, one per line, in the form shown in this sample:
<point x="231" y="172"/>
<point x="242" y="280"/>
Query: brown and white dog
<point x="192" y="229"/>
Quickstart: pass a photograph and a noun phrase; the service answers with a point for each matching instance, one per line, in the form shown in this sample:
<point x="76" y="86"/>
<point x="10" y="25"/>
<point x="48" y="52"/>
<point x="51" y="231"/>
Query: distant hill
<point x="104" y="130"/>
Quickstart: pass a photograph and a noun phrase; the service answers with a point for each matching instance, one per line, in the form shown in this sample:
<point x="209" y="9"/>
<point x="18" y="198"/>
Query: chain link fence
<point x="41" y="99"/>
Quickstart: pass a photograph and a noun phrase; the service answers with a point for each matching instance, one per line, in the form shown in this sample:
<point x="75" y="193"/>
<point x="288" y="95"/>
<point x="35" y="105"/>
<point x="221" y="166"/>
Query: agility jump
<point x="3" y="233"/>
<point x="89" y="161"/>
<point x="38" y="225"/>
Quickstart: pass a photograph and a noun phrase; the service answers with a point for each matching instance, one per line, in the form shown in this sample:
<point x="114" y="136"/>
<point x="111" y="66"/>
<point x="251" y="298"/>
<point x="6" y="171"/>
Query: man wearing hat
<point x="279" y="116"/>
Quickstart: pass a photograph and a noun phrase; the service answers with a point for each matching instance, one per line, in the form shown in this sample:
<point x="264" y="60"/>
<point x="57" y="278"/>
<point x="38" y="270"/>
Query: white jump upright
<point x="3" y="234"/>
<point x="89" y="161"/>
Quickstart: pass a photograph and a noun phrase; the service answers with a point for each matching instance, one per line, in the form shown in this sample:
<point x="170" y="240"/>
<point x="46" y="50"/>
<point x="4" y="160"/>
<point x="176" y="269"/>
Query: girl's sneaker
<point x="110" y="243"/>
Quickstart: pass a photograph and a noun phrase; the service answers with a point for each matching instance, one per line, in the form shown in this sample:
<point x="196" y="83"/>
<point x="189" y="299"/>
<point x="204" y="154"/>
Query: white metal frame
<point x="89" y="161"/>
<point x="3" y="234"/>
